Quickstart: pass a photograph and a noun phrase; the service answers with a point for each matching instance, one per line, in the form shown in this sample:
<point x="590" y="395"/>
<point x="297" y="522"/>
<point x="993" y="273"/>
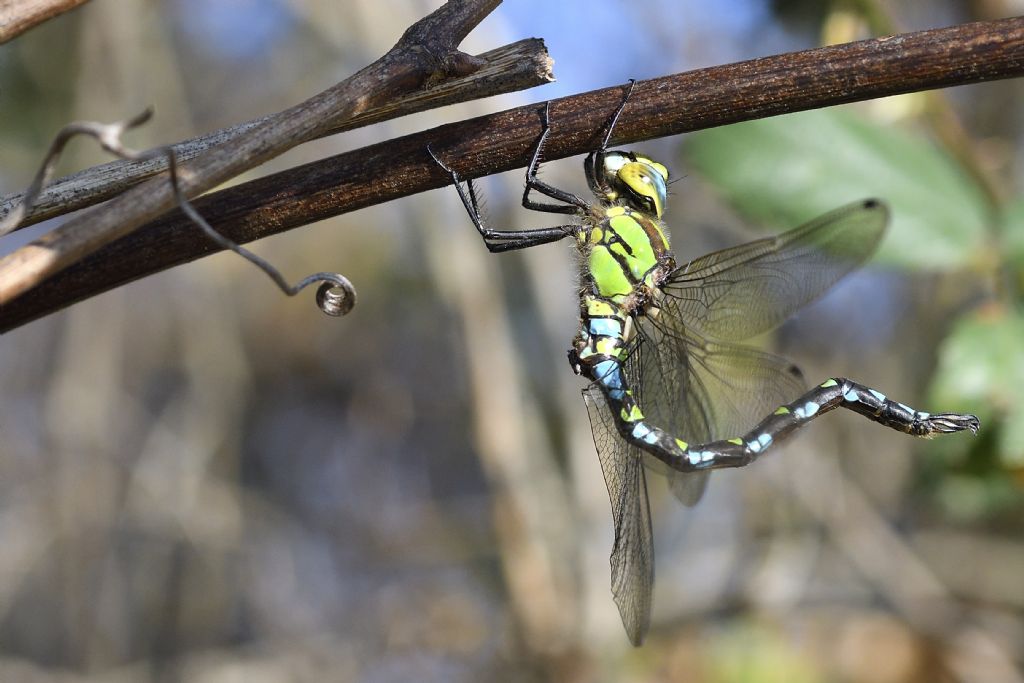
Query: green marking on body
<point x="738" y="442"/>
<point x="637" y="248"/>
<point x="608" y="346"/>
<point x="829" y="383"/>
<point x="607" y="273"/>
<point x="632" y="415"/>
<point x="682" y="444"/>
<point x="782" y="410"/>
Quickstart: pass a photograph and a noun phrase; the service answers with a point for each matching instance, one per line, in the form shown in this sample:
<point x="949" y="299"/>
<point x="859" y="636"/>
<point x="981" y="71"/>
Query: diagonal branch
<point x="684" y="102"/>
<point x="509" y="68"/>
<point x="18" y="16"/>
<point x="426" y="53"/>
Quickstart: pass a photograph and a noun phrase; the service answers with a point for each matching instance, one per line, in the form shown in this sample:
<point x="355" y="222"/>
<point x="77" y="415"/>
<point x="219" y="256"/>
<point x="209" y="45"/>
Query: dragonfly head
<point x="626" y="176"/>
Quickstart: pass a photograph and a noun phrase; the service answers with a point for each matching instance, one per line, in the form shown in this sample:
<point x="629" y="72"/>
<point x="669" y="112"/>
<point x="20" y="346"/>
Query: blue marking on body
<point x="851" y="396"/>
<point x="693" y="457"/>
<point x="923" y="415"/>
<point x="640" y="430"/>
<point x="609" y="374"/>
<point x="604" y="327"/>
<point x="906" y="407"/>
<point x="807" y="410"/>
<point x="651" y="438"/>
<point x="877" y="394"/>
<point x="760" y="443"/>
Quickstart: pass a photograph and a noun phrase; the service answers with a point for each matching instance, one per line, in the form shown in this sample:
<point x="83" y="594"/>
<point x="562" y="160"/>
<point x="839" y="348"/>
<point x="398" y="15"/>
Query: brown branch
<point x="665" y="106"/>
<point x="18" y="16"/>
<point x="509" y="68"/>
<point x="425" y="54"/>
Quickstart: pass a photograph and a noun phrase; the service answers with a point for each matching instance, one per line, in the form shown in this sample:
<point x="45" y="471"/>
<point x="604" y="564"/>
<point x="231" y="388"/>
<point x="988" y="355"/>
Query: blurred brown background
<point x="201" y="480"/>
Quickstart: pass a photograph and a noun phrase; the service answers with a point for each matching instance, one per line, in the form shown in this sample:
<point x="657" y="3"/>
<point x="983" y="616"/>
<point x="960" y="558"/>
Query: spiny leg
<point x="571" y="203"/>
<point x="737" y="452"/>
<point x="615" y="117"/>
<point x="501" y="240"/>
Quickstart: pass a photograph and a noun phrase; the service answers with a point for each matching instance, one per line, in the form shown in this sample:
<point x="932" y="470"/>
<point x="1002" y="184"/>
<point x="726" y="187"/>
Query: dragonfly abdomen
<point x="833" y="393"/>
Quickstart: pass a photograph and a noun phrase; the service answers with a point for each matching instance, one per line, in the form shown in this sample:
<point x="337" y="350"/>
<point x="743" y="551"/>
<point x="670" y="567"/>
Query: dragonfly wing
<point x="702" y="391"/>
<point x="687" y="487"/>
<point x="659" y="379"/>
<point x="632" y="559"/>
<point x="736" y="293"/>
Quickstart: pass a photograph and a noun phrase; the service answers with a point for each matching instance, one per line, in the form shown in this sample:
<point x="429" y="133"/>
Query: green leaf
<point x="788" y="169"/>
<point x="981" y="369"/>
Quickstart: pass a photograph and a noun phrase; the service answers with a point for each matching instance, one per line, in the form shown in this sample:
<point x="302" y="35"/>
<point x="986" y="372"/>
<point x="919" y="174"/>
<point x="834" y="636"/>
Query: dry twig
<point x="425" y="54"/>
<point x="509" y="68"/>
<point x="18" y="16"/>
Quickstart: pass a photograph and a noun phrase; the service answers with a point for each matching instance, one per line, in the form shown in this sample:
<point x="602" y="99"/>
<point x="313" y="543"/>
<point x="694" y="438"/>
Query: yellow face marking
<point x="615" y="211"/>
<point x="637" y="177"/>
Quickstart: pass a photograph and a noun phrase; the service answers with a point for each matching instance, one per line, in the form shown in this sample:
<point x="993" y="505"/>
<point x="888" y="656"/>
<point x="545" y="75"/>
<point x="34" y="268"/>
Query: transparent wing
<point x="736" y="293"/>
<point x="632" y="558"/>
<point x="701" y="391"/>
<point x="687" y="487"/>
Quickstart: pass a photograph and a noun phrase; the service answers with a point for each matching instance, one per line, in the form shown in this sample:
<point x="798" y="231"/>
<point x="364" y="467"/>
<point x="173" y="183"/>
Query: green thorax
<point x="623" y="238"/>
<point x="627" y="253"/>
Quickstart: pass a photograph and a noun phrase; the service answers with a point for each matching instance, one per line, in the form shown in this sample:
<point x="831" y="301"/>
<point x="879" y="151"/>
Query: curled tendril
<point x="335" y="297"/>
<point x="107" y="134"/>
<point x="328" y="299"/>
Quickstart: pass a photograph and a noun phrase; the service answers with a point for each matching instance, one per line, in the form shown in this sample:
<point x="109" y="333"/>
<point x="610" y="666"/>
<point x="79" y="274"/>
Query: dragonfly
<point x="672" y="388"/>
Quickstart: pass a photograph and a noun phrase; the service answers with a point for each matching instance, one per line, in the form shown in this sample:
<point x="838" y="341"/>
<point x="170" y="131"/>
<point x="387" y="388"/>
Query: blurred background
<point x="202" y="480"/>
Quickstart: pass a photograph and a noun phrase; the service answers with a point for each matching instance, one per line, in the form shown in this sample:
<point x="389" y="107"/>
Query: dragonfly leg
<point x="615" y="117"/>
<point x="571" y="203"/>
<point x="501" y="240"/>
<point x="737" y="452"/>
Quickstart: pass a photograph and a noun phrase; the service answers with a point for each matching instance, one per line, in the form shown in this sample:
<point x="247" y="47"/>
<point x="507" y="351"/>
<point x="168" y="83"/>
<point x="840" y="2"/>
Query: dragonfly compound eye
<point x="647" y="182"/>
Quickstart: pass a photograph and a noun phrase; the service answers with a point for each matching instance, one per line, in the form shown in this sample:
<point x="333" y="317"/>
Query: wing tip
<point x="636" y="619"/>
